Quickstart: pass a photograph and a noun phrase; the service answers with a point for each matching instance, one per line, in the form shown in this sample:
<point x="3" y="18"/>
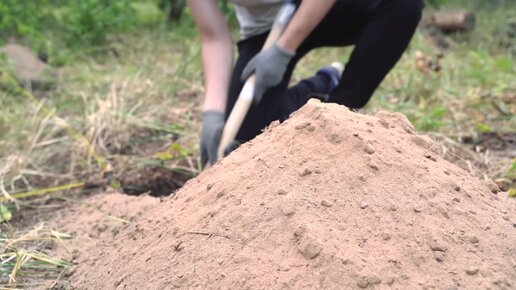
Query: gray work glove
<point x="212" y="126"/>
<point x="269" y="66"/>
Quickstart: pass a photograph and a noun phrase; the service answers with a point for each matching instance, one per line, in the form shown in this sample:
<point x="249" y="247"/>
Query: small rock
<point x="362" y="178"/>
<point x="503" y="183"/>
<point x="374" y="166"/>
<point x="393" y="208"/>
<point x="373" y="280"/>
<point x="310" y="128"/>
<point x="299" y="232"/>
<point x="306" y="171"/>
<point x="288" y="209"/>
<point x="472" y="271"/>
<point x="363" y="205"/>
<point x="506" y="217"/>
<point x="444" y="212"/>
<point x="386" y="236"/>
<point x="431" y="157"/>
<point x="369" y="149"/>
<point x="366" y="281"/>
<point x="417" y="210"/>
<point x="437" y="246"/>
<point x="439" y="256"/>
<point x="455" y="187"/>
<point x="178" y="281"/>
<point x="362" y="283"/>
<point x="282" y="191"/>
<point x="493" y="187"/>
<point x="473" y="240"/>
<point x="456" y="199"/>
<point x="311" y="251"/>
<point x="326" y="203"/>
<point x="302" y="125"/>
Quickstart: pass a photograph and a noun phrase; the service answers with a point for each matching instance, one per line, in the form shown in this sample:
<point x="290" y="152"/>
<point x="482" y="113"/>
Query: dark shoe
<point x="333" y="72"/>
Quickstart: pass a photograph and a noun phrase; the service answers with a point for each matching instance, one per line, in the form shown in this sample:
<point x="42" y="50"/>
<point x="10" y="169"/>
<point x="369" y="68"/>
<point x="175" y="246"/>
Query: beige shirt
<point x="255" y="16"/>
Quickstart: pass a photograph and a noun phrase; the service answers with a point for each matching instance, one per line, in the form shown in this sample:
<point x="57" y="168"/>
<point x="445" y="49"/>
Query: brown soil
<point x="329" y="199"/>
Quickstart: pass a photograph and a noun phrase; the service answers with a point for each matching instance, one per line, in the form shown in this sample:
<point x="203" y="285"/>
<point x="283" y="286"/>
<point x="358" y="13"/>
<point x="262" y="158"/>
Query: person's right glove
<point x="212" y="127"/>
<point x="269" y="66"/>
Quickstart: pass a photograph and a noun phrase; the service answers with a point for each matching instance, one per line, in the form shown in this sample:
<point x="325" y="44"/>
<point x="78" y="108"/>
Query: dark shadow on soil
<point x="154" y="180"/>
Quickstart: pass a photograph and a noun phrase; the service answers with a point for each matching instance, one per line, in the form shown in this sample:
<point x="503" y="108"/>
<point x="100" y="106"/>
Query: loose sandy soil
<point x="330" y="199"/>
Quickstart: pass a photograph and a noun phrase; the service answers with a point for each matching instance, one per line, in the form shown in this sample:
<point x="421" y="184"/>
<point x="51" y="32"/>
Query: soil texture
<point x="329" y="199"/>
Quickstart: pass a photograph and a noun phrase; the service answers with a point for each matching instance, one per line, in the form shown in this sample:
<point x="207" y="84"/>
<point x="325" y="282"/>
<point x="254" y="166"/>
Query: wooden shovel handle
<point x="245" y="99"/>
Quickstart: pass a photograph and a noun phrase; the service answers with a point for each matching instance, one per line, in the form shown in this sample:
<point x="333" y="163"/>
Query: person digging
<point x="380" y="30"/>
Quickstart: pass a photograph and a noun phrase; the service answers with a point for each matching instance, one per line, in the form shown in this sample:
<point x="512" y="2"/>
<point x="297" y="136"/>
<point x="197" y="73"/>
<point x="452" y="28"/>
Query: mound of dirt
<point x="329" y="199"/>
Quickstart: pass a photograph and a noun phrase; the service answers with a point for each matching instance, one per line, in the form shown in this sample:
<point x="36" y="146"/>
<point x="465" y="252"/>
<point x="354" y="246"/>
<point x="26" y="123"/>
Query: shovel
<point x="245" y="99"/>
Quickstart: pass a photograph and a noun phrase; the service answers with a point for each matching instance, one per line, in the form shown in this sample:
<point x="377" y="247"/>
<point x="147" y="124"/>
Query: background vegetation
<point x="125" y="101"/>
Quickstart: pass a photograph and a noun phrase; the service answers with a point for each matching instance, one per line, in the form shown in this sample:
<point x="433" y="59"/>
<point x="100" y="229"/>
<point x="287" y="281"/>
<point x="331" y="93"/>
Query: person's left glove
<point x="212" y="127"/>
<point x="269" y="66"/>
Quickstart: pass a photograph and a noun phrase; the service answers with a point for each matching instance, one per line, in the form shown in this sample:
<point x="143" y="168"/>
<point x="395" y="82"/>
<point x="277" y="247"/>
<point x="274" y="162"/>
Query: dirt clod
<point x="302" y="125"/>
<point x="473" y="240"/>
<point x="368" y="281"/>
<point x="439" y="256"/>
<point x="493" y="187"/>
<point x="288" y="209"/>
<point x="282" y="191"/>
<point x="472" y="271"/>
<point x="310" y="251"/>
<point x="437" y="246"/>
<point x="305" y="172"/>
<point x="374" y="166"/>
<point x="369" y="149"/>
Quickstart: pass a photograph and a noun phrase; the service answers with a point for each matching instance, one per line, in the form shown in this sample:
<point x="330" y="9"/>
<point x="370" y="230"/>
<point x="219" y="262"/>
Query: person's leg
<point x="318" y="86"/>
<point x="378" y="48"/>
<point x="340" y="27"/>
<point x="381" y="31"/>
<point x="380" y="34"/>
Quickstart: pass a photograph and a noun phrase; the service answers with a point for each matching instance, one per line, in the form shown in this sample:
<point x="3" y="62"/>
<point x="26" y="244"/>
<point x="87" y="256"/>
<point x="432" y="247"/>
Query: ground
<point x="127" y="120"/>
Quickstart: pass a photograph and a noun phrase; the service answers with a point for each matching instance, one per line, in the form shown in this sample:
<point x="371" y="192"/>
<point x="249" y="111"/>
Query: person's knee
<point x="353" y="101"/>
<point x="412" y="11"/>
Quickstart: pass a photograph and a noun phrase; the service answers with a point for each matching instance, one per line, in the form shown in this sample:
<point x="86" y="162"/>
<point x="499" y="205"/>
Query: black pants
<point x="380" y="33"/>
